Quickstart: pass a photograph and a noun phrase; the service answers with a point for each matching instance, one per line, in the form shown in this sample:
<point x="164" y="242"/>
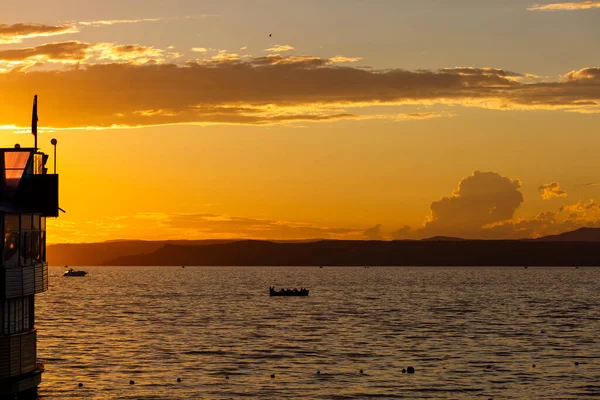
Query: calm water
<point x="470" y="333"/>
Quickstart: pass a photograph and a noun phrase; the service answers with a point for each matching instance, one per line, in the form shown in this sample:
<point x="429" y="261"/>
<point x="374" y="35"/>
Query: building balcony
<point x="24" y="281"/>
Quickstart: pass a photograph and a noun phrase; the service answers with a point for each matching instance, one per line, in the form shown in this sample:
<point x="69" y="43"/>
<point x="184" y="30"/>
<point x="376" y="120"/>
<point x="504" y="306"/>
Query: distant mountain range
<point x="580" y="247"/>
<point x="579" y="235"/>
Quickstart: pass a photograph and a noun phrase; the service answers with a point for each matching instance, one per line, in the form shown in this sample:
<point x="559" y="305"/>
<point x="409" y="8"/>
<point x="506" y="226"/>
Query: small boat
<point x="72" y="272"/>
<point x="288" y="292"/>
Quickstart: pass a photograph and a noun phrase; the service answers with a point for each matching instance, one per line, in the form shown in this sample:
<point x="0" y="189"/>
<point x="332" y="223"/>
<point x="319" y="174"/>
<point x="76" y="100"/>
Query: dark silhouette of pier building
<point x="28" y="195"/>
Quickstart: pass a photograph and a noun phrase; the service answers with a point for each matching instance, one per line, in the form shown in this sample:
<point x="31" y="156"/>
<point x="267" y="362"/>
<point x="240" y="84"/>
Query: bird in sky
<point x="270" y="34"/>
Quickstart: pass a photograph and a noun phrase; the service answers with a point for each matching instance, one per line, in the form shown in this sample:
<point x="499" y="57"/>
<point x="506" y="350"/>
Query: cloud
<point x="119" y="21"/>
<point x="481" y="199"/>
<point x="75" y="52"/>
<point x="15" y="33"/>
<point x="223" y="56"/>
<point x="551" y="190"/>
<point x="126" y="52"/>
<point x="566" y="218"/>
<point x="484" y="206"/>
<point x="109" y="22"/>
<point x="262" y="90"/>
<point x="63" y="51"/>
<point x="165" y="226"/>
<point x="406" y="232"/>
<point x="280" y="48"/>
<point x="472" y="71"/>
<point x="569" y="6"/>
<point x="373" y="233"/>
<point x="342" y="59"/>
<point x="199" y="49"/>
<point x="588" y="184"/>
<point x="584" y="75"/>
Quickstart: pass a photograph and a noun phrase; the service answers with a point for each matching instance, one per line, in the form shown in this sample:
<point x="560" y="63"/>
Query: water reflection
<point x="469" y="332"/>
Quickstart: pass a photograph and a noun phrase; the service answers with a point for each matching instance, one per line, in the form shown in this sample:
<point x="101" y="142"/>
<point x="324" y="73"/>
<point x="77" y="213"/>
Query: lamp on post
<point x="54" y="142"/>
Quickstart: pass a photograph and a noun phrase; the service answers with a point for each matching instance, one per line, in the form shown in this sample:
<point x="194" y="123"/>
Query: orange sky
<point x="383" y="119"/>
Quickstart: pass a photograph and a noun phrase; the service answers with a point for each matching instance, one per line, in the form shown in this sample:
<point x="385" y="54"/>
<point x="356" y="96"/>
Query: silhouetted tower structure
<point x="28" y="195"/>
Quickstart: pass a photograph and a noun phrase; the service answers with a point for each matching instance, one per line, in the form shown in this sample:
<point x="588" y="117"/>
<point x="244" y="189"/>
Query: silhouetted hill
<point x="579" y="247"/>
<point x="79" y="254"/>
<point x="359" y="253"/>
<point x="579" y="235"/>
<point x="443" y="239"/>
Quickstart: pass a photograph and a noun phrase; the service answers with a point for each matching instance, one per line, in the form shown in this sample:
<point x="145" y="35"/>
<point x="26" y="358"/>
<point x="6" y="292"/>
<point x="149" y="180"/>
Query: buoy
<point x="318" y="372"/>
<point x="576" y="363"/>
<point x="178" y="379"/>
<point x="131" y="382"/>
<point x="489" y="367"/>
<point x="361" y="371"/>
<point x="410" y="370"/>
<point x="533" y="365"/>
<point x="403" y="371"/>
<point x="272" y="376"/>
<point x="226" y="376"/>
<point x="80" y="384"/>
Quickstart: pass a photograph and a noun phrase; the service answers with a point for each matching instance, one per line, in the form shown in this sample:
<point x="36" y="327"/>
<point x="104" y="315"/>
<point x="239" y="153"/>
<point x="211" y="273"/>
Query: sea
<point x="469" y="333"/>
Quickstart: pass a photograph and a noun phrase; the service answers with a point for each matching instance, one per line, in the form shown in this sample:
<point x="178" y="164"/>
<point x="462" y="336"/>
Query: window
<point x="14" y="167"/>
<point x="16" y="315"/>
<point x="27" y="313"/>
<point x="42" y="246"/>
<point x="11" y="223"/>
<point x="11" y="249"/>
<point x="36" y="253"/>
<point x="38" y="164"/>
<point x="36" y="222"/>
<point x="11" y="240"/>
<point x="26" y="248"/>
<point x="26" y="222"/>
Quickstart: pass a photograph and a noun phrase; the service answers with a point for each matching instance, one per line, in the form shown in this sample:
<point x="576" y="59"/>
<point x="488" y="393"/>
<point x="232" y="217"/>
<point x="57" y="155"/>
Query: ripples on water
<point x="469" y="332"/>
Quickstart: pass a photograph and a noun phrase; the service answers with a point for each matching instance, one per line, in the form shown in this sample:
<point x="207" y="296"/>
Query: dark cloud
<point x="63" y="51"/>
<point x="17" y="32"/>
<point x="256" y="91"/>
<point x="551" y="190"/>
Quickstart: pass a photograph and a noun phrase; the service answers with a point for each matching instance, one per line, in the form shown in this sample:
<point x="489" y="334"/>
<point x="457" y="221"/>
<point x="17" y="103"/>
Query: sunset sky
<point x="379" y="119"/>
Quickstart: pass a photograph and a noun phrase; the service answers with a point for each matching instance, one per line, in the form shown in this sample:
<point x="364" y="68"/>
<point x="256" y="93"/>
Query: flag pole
<point x="34" y="121"/>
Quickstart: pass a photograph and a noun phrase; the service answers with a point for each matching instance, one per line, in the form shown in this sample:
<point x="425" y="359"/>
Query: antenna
<point x="54" y="142"/>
